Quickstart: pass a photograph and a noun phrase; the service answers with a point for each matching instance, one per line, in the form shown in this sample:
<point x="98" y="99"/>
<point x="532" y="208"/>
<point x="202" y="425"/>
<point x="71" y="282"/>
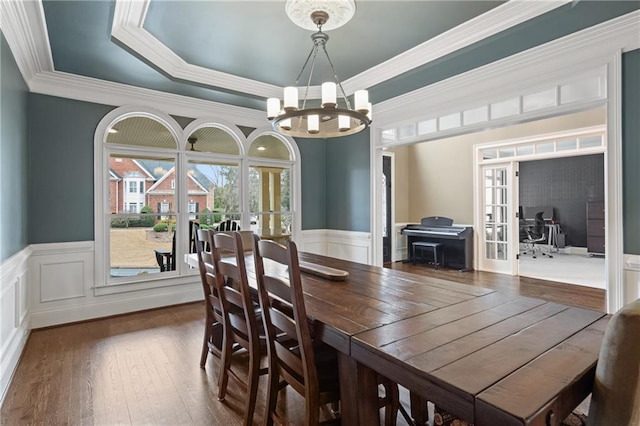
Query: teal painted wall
<point x="61" y="168"/>
<point x="313" y="165"/>
<point x="14" y="134"/>
<point x="335" y="172"/>
<point x="631" y="150"/>
<point x="61" y="182"/>
<point x="348" y="187"/>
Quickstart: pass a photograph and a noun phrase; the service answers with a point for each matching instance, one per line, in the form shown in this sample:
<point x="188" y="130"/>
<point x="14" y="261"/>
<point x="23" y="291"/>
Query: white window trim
<point x="182" y="155"/>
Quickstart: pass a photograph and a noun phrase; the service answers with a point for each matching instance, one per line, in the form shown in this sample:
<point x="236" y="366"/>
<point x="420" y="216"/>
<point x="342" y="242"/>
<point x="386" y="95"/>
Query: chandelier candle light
<point x="330" y="120"/>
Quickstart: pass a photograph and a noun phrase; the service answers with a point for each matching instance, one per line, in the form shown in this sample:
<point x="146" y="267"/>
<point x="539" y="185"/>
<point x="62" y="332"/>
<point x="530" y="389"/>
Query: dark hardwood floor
<point x="143" y="368"/>
<point x="568" y="294"/>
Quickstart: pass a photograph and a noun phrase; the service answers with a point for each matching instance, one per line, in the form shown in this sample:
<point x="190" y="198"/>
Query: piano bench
<point x="437" y="249"/>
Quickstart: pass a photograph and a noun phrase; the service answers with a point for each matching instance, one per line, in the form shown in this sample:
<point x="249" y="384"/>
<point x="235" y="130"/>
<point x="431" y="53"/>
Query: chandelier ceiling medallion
<point x="331" y="119"/>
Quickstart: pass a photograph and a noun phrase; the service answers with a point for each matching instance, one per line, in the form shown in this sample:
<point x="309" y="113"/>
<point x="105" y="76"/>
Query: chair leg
<point x="205" y="343"/>
<point x="312" y="411"/>
<point x="225" y="365"/>
<point x="252" y="387"/>
<point x="272" y="395"/>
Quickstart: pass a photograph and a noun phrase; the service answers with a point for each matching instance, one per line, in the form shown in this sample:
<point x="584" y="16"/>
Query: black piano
<point x="457" y="240"/>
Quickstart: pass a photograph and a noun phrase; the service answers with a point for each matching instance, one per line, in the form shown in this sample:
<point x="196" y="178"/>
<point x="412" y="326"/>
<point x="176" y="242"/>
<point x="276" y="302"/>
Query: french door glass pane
<point x="501" y="251"/>
<point x="490" y="250"/>
<point x="495" y="202"/>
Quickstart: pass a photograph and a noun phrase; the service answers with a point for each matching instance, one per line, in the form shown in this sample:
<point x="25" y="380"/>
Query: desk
<point x="553" y="229"/>
<point x="466" y="348"/>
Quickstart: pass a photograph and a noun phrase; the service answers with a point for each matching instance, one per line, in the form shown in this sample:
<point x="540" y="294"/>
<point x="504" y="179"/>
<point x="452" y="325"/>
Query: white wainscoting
<point x="347" y="245"/>
<point x="631" y="278"/>
<point x="14" y="314"/>
<point x="49" y="284"/>
<point x="61" y="279"/>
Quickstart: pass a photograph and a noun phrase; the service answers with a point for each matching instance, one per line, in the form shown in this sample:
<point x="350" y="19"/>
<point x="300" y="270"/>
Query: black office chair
<point x="536" y="235"/>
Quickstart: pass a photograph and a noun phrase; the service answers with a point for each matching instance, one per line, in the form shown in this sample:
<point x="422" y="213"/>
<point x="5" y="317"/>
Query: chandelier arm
<point x="313" y="65"/>
<point x="311" y="52"/>
<point x="335" y="76"/>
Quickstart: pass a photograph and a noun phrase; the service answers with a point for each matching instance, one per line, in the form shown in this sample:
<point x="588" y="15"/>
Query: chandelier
<point x="331" y="119"/>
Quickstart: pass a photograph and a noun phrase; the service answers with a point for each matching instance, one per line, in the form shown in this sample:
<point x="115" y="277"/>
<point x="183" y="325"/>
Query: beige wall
<point x="401" y="179"/>
<point x="436" y="178"/>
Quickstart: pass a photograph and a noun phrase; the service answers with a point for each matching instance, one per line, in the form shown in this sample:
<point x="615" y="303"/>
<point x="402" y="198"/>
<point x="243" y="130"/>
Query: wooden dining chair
<point x="213" y="311"/>
<point x="241" y="320"/>
<point x="616" y="390"/>
<point x="308" y="365"/>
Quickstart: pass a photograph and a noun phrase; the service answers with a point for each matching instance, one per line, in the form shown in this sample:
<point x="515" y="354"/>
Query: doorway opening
<point x="555" y="197"/>
<point x="571" y="192"/>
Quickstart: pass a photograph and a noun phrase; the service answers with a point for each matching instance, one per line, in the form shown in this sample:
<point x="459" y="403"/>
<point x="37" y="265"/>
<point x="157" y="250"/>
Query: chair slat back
<point x="290" y="342"/>
<point x="206" y="267"/>
<point x="203" y="251"/>
<point x="238" y="308"/>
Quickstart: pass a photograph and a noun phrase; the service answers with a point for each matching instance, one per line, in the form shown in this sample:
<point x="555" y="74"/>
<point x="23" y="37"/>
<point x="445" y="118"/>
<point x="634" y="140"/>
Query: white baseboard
<point x="574" y="250"/>
<point x="98" y="308"/>
<point x="14" y="315"/>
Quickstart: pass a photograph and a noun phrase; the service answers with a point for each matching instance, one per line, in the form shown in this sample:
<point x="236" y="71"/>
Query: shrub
<point x="206" y="218"/>
<point x="119" y="222"/>
<point x="217" y="218"/>
<point x="160" y="227"/>
<point x="146" y="219"/>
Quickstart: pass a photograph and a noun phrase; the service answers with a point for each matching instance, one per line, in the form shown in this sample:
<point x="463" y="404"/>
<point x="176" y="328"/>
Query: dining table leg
<point x="348" y="373"/>
<point x="419" y="412"/>
<point x="368" y="405"/>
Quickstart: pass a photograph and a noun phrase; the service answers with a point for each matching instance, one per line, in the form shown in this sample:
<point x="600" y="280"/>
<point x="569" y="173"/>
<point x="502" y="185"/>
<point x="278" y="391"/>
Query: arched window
<point x="154" y="180"/>
<point x="214" y="157"/>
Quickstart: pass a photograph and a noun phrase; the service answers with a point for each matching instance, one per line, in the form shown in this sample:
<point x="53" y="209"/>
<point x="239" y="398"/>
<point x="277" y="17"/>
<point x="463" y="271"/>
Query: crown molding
<point x="130" y="15"/>
<point x="490" y="23"/>
<point x="577" y="52"/>
<point x="64" y="85"/>
<point x="24" y="26"/>
<point x="128" y="28"/>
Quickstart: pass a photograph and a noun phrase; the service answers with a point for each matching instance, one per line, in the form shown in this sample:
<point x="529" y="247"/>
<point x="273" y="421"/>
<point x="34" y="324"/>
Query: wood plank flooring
<point x="143" y="368"/>
<point x="568" y="294"/>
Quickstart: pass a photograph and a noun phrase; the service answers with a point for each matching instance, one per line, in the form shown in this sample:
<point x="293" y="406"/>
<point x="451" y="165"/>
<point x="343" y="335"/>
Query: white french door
<point x="498" y="244"/>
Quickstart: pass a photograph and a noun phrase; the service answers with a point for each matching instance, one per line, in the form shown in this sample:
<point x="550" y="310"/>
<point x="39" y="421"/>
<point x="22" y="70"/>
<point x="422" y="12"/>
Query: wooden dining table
<point x="486" y="356"/>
